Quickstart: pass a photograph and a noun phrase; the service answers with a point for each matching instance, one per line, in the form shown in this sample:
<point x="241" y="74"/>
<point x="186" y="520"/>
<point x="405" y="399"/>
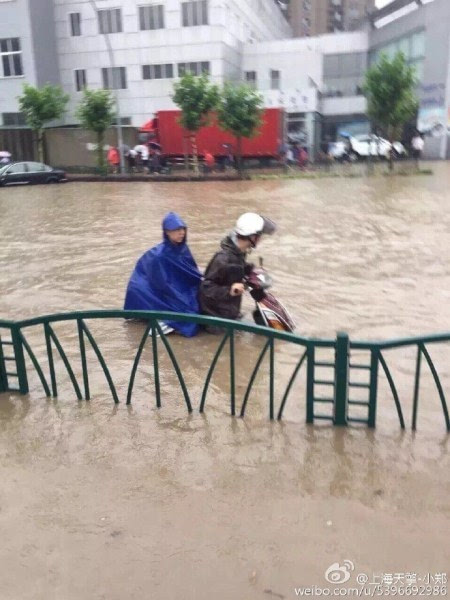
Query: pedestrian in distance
<point x="290" y="161"/>
<point x="131" y="160"/>
<point x="228" y="161"/>
<point x="155" y="162"/>
<point x="303" y="158"/>
<point x="113" y="158"/>
<point x="282" y="154"/>
<point x="209" y="162"/>
<point x="141" y="157"/>
<point x="417" y="145"/>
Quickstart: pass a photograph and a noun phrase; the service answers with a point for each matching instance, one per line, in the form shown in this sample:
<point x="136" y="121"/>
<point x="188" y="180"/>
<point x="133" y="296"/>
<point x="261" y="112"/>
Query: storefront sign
<point x="432" y="95"/>
<point x="292" y="100"/>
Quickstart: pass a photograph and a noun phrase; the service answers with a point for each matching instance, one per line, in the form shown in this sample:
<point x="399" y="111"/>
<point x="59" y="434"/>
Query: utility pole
<point x="116" y="96"/>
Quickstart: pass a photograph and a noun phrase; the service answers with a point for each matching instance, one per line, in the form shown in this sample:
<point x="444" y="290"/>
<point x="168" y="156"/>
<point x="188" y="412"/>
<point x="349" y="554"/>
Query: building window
<point x="13" y="119"/>
<point x="80" y="79"/>
<point x="110" y="20"/>
<point x="274" y="80"/>
<point x="123" y="121"/>
<point x="11" y="57"/>
<point x="412" y="46"/>
<point x="250" y="78"/>
<point x="151" y="17"/>
<point x="157" y="71"/>
<point x="195" y="68"/>
<point x="75" y="24"/>
<point x="114" y="78"/>
<point x="194" y="13"/>
<point x="351" y="64"/>
<point x="417" y="45"/>
<point x="343" y="74"/>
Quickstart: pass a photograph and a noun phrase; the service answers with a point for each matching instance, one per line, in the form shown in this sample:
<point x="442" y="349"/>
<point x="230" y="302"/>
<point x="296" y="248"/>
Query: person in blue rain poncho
<point x="166" y="277"/>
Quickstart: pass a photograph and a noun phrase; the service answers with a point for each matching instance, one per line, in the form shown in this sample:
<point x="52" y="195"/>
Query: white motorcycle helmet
<point x="250" y="224"/>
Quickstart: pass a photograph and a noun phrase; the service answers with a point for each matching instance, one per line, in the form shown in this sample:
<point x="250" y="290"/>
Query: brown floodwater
<point x="110" y="502"/>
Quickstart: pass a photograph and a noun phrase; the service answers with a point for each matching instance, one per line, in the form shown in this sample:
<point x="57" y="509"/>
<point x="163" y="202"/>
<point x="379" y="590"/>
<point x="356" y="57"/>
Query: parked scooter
<point x="269" y="311"/>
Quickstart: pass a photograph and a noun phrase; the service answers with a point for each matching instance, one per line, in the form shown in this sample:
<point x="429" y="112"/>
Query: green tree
<point x="390" y="89"/>
<point x="41" y="105"/>
<point x="96" y="113"/>
<point x="240" y="113"/>
<point x="196" y="97"/>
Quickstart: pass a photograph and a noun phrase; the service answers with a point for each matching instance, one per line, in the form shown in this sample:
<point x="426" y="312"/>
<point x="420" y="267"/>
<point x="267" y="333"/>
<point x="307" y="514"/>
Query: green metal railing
<point x="14" y="348"/>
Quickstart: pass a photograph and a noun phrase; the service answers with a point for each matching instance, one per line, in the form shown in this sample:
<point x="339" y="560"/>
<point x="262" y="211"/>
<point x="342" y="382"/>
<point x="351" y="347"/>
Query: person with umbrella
<point x="5" y="157"/>
<point x="142" y="155"/>
<point x="155" y="157"/>
<point x="348" y="144"/>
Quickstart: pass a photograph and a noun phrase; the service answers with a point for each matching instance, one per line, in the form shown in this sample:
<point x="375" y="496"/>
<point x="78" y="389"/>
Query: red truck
<point x="175" y="141"/>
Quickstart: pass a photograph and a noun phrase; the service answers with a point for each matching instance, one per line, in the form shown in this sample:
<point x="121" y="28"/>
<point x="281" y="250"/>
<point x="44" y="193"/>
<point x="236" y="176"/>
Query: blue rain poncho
<point x="166" y="277"/>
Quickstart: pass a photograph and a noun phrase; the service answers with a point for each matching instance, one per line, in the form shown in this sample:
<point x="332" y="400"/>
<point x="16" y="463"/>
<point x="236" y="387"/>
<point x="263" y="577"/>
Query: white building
<point x="140" y="47"/>
<point x="316" y="80"/>
<point x="27" y="52"/>
<point x="135" y="46"/>
<point x="150" y="43"/>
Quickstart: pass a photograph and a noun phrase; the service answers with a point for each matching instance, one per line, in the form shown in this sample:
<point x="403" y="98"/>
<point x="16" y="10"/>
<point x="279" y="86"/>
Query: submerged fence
<point x="15" y="349"/>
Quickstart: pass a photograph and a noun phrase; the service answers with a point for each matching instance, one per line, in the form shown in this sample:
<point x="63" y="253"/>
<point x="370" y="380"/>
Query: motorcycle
<point x="269" y="311"/>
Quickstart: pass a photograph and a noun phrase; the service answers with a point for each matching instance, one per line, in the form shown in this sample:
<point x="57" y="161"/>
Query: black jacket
<point x="226" y="267"/>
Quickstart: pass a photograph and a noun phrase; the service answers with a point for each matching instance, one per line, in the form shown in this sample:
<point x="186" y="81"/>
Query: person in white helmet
<point x="223" y="284"/>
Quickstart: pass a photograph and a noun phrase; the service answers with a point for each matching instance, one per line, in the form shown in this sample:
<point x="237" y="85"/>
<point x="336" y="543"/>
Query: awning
<point x="148" y="127"/>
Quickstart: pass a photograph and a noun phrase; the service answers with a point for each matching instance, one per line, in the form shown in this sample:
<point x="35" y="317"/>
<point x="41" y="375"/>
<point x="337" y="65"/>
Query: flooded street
<point x="105" y="502"/>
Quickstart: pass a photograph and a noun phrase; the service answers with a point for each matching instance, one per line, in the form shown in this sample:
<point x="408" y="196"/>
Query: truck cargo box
<point x="176" y="141"/>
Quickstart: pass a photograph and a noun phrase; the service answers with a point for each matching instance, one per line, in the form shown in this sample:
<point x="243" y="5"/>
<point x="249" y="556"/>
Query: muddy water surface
<point x="105" y="502"/>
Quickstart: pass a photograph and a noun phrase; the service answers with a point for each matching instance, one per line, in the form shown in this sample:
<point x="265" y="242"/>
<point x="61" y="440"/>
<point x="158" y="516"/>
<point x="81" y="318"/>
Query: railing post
<point x="3" y="378"/>
<point x="373" y="389"/>
<point x="341" y="379"/>
<point x="21" y="368"/>
<point x="310" y="384"/>
<point x="416" y="387"/>
<point x="232" y="375"/>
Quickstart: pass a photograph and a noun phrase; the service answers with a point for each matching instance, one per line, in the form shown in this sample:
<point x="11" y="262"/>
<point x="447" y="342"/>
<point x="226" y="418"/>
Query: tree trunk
<point x="100" y="156"/>
<point x="195" y="154"/>
<point x="40" y="144"/>
<point x="239" y="156"/>
<point x="391" y="151"/>
<point x="186" y="155"/>
<point x="370" y="167"/>
<point x="391" y="158"/>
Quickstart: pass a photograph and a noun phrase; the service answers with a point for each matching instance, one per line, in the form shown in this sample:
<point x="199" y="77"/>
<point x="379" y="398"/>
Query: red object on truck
<point x="176" y="141"/>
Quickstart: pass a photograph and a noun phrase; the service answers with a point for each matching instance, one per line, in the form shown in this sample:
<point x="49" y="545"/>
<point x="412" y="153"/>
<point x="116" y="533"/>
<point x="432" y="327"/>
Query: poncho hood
<point x="170" y="222"/>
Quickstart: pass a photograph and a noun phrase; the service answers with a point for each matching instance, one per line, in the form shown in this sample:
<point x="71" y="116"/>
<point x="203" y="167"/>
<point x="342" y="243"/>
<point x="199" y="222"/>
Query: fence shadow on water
<point x="342" y="377"/>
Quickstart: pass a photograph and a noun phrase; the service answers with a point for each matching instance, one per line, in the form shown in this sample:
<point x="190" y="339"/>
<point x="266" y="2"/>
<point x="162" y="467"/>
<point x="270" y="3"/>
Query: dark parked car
<point x="30" y="172"/>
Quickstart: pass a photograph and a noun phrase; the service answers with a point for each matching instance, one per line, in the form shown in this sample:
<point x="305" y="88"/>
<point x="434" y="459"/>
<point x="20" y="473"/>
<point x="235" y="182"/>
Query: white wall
<point x="344" y="106"/>
<point x="296" y="60"/>
<point x="15" y="22"/>
<point x="300" y="62"/>
<point x="341" y="43"/>
<point x="252" y="21"/>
